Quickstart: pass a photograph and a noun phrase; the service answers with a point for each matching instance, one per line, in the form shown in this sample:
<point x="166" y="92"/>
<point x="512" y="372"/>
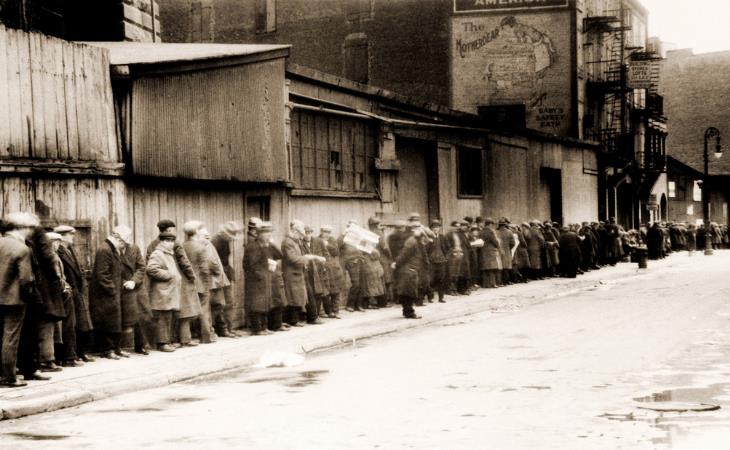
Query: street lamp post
<point x="710" y="133"/>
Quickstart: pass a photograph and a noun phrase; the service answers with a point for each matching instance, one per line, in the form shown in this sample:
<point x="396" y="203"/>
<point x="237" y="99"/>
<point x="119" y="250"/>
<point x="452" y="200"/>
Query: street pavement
<point x="569" y="364"/>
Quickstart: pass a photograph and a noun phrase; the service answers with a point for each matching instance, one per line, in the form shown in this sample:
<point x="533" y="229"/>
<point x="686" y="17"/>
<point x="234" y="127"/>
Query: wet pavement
<point x="606" y="368"/>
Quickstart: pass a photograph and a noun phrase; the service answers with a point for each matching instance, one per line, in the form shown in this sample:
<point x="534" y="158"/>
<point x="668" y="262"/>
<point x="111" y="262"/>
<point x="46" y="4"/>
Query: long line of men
<point x="180" y="294"/>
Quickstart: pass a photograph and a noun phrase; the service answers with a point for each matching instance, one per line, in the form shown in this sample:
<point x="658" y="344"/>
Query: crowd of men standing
<point x="54" y="312"/>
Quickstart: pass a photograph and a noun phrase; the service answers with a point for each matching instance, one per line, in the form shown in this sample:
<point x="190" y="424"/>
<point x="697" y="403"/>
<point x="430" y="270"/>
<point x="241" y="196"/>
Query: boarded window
<point x="265" y="16"/>
<point x="333" y="153"/>
<point x="470" y="172"/>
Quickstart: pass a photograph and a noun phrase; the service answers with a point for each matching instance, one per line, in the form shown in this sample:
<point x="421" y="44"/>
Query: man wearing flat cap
<point x="437" y="252"/>
<point x="76" y="335"/>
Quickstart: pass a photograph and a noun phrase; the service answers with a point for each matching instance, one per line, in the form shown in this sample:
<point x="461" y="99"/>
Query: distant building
<point x="572" y="68"/>
<point x="696" y="89"/>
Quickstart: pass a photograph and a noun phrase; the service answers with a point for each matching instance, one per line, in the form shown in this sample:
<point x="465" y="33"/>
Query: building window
<point x="697" y="192"/>
<point x="470" y="172"/>
<point x="691" y="210"/>
<point x="672" y="189"/>
<point x="265" y="16"/>
<point x="333" y="153"/>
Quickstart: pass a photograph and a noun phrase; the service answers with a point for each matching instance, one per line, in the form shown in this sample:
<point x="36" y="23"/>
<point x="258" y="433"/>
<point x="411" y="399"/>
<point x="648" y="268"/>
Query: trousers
<point x="11" y="325"/>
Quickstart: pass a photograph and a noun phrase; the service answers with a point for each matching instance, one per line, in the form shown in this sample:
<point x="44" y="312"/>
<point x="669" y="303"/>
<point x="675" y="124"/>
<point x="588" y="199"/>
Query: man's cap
<point x="165" y="224"/>
<point x="456" y="223"/>
<point x="63" y="229"/>
<point x="326" y="229"/>
<point x="167" y="236"/>
<point x="469" y="219"/>
<point x="232" y="229"/>
<point x="435" y="223"/>
<point x="192" y="227"/>
<point x="254" y="222"/>
<point x="488" y="221"/>
<point x="266" y="227"/>
<point x="54" y="236"/>
<point x="414" y="217"/>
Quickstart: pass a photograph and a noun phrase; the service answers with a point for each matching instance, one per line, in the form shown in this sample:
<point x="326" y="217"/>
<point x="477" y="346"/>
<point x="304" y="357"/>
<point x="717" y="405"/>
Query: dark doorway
<point x="553" y="179"/>
<point x="259" y="206"/>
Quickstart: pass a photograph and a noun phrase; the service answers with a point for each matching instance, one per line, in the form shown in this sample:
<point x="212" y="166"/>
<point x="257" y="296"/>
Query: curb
<point x="76" y="397"/>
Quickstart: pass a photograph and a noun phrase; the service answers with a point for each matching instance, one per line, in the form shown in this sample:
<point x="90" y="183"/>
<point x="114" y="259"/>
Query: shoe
<point x="213" y="337"/>
<point x="50" y="367"/>
<point x="285" y="325"/>
<point x="267" y="332"/>
<point x="296" y="324"/>
<point x="190" y="344"/>
<point x="227" y="334"/>
<point x="37" y="376"/>
<point x="142" y="351"/>
<point x="167" y="348"/>
<point x="442" y="301"/>
<point x="111" y="355"/>
<point x="283" y="329"/>
<point x="122" y="353"/>
<point x="413" y="316"/>
<point x="176" y="345"/>
<point x="350" y="309"/>
<point x="12" y="383"/>
<point x="238" y="333"/>
<point x="72" y="363"/>
<point x="315" y="322"/>
<point x="323" y="316"/>
<point x="87" y="358"/>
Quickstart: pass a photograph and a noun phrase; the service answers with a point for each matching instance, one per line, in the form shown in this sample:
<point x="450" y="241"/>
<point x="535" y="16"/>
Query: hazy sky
<point x="703" y="25"/>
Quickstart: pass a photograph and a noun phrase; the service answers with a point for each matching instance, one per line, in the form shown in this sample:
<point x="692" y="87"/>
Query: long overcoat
<point x="491" y="254"/>
<point x="522" y="255"/>
<point x="552" y="246"/>
<point x="338" y="281"/>
<point x="506" y="243"/>
<point x="410" y="264"/>
<point x="321" y="281"/>
<point x="202" y="257"/>
<point x="105" y="291"/>
<point x="132" y="270"/>
<point x="535" y="247"/>
<point x="293" y="271"/>
<point x="164" y="280"/>
<point x="570" y="254"/>
<point x="77" y="280"/>
<point x="258" y="289"/>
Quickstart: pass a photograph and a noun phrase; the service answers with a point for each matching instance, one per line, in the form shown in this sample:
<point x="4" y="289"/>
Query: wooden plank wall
<point x="100" y="204"/>
<point x="55" y="100"/>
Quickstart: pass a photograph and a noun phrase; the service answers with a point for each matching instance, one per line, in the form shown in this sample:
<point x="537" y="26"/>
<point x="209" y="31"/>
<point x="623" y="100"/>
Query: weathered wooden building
<point x="358" y="150"/>
<point x="59" y="149"/>
<point x="685" y="186"/>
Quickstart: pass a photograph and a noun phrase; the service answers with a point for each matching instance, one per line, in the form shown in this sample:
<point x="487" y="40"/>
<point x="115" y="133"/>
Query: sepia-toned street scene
<point x="327" y="224"/>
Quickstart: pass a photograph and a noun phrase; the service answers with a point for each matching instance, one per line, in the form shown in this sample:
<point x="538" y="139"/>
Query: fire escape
<point x="608" y="84"/>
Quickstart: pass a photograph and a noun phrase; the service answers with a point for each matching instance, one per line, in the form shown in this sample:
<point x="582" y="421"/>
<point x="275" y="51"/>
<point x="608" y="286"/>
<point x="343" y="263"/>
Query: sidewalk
<point x="107" y="378"/>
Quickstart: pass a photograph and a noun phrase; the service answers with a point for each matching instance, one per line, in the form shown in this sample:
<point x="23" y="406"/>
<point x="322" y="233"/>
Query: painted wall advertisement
<point x="521" y="59"/>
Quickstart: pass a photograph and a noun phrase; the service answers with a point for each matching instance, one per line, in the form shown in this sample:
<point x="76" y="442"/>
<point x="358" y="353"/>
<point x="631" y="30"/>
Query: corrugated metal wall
<point x="55" y="99"/>
<point x="224" y="124"/>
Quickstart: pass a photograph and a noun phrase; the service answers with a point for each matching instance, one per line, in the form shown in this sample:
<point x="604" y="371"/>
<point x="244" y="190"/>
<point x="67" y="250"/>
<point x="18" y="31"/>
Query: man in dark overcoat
<point x="294" y="263"/>
<point x="457" y="250"/>
<point x="105" y="295"/>
<point x="76" y="340"/>
<point x="570" y="254"/>
<point x="16" y="293"/>
<point x="491" y="256"/>
<point x="410" y="263"/>
<point x="135" y="308"/>
<point x="507" y="242"/>
<point x="316" y="277"/>
<point x="258" y="271"/>
<point x="222" y="242"/>
<point x="439" y="263"/>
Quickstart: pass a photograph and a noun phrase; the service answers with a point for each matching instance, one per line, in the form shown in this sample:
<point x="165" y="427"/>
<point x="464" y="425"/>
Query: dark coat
<point x="410" y="264"/>
<point x="552" y="247"/>
<point x="16" y="271"/>
<point x="77" y="280"/>
<point x="386" y="258"/>
<point x="338" y="282"/>
<point x="457" y="255"/>
<point x="587" y="248"/>
<point x="535" y="247"/>
<point x="437" y="250"/>
<point x="293" y="271"/>
<point x="491" y="254"/>
<point x="321" y="282"/>
<point x="223" y="247"/>
<point x="613" y="242"/>
<point x="570" y="254"/>
<point x="258" y="276"/>
<point x="105" y="291"/>
<point x="506" y="244"/>
<point x="133" y="268"/>
<point x="396" y="240"/>
<point x="48" y="283"/>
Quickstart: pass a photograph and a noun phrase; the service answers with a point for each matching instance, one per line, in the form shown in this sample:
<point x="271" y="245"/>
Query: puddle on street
<point x="37" y="437"/>
<point x="694" y="395"/>
<point x="291" y="379"/>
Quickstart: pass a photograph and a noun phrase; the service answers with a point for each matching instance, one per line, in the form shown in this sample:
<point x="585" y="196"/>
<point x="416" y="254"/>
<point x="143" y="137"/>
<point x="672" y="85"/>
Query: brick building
<point x="573" y="68"/>
<point x="696" y="88"/>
